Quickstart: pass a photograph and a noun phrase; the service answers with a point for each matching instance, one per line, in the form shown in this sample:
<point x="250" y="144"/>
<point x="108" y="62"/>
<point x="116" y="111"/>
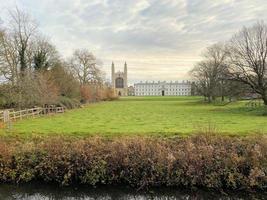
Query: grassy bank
<point x="160" y="116"/>
<point x="218" y="162"/>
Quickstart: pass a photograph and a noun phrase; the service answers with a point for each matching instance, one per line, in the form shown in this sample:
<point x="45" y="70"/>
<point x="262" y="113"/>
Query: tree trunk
<point x="264" y="98"/>
<point x="209" y="99"/>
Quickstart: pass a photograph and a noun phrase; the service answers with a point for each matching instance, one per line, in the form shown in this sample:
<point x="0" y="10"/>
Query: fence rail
<point x="1" y="116"/>
<point x="254" y="103"/>
<point x="11" y="115"/>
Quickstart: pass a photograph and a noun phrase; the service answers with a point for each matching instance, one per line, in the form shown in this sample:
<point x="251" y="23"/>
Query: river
<point x="36" y="191"/>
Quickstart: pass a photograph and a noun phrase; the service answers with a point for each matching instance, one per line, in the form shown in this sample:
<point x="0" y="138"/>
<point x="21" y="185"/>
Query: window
<point x="119" y="82"/>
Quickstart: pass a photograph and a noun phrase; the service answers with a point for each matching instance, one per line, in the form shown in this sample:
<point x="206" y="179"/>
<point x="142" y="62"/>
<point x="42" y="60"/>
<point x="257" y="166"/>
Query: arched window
<point x="119" y="82"/>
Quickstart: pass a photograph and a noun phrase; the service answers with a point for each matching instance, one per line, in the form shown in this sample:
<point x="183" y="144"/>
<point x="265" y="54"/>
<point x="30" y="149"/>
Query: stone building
<point x="163" y="88"/>
<point x="119" y="80"/>
<point x="130" y="91"/>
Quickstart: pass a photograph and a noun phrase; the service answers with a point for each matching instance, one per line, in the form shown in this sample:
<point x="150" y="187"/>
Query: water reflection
<point x="51" y="192"/>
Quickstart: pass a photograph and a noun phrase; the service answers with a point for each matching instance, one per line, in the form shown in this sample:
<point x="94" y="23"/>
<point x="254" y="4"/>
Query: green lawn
<point x="148" y="115"/>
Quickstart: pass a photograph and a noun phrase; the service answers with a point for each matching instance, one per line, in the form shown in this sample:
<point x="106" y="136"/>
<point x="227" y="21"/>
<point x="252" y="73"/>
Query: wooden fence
<point x="254" y="103"/>
<point x="11" y="115"/>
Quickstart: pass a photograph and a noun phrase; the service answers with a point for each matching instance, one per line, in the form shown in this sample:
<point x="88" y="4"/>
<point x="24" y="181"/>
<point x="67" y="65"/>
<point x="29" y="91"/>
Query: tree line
<point x="235" y="68"/>
<point x="32" y="73"/>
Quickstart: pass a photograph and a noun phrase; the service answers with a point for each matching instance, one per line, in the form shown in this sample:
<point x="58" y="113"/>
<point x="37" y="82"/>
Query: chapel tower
<point x="119" y="80"/>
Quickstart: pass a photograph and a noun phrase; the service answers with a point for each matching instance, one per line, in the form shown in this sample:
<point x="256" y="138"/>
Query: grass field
<point x="148" y="115"/>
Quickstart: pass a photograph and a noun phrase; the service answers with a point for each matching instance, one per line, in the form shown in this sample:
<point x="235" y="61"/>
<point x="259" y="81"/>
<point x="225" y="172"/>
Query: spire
<point x="125" y="67"/>
<point x="125" y="75"/>
<point x="113" y="74"/>
<point x="112" y="67"/>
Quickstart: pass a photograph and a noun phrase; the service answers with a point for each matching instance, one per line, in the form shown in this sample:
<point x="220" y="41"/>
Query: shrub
<point x="198" y="161"/>
<point x="94" y="92"/>
<point x="68" y="102"/>
<point x="88" y="93"/>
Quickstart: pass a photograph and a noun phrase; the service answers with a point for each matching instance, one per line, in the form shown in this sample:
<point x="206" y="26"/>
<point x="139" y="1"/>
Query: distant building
<point x="163" y="88"/>
<point x="119" y="80"/>
<point x="130" y="91"/>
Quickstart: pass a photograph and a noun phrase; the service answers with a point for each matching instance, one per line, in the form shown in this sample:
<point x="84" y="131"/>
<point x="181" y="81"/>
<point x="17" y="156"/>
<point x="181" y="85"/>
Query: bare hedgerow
<point x="218" y="162"/>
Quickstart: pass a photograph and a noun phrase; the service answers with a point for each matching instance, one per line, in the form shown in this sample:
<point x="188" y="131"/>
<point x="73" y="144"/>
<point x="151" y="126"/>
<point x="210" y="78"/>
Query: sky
<point x="159" y="39"/>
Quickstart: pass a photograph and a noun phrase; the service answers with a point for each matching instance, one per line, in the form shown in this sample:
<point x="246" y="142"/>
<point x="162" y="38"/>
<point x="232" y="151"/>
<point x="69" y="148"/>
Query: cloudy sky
<point x="159" y="39"/>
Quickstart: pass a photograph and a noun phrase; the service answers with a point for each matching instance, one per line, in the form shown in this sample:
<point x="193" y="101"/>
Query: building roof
<point x="164" y="83"/>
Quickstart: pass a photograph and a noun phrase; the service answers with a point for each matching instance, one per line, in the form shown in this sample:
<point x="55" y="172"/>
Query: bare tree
<point x="248" y="52"/>
<point x="217" y="55"/>
<point x="84" y="66"/>
<point x="201" y="77"/>
<point x="8" y="58"/>
<point x="209" y="73"/>
<point x="22" y="30"/>
<point x="15" y="45"/>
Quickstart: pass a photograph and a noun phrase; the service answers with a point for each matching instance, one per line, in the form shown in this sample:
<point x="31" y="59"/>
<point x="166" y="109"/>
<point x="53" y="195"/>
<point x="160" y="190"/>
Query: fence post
<point x="6" y="116"/>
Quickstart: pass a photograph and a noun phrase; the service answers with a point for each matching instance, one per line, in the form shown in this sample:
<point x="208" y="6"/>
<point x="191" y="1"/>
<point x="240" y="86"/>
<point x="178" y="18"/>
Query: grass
<point x="164" y="116"/>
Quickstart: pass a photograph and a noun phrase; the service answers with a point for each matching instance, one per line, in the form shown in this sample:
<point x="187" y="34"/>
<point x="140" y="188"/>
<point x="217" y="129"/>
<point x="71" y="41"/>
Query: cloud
<point x="159" y="37"/>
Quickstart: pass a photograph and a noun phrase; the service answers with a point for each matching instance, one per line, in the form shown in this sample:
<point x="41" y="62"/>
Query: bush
<point x="68" y="102"/>
<point x="198" y="161"/>
<point x="94" y="93"/>
<point x="9" y="96"/>
<point x="88" y="93"/>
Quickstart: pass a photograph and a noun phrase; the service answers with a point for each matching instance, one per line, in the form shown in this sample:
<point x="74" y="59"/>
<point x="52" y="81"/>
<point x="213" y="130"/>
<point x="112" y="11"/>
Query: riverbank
<point x="201" y="161"/>
<point x="47" y="191"/>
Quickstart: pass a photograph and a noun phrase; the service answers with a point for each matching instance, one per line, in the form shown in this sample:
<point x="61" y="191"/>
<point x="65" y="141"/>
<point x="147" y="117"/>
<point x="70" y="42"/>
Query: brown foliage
<point x="198" y="161"/>
<point x="95" y="92"/>
<point x="88" y="93"/>
<point x="47" y="89"/>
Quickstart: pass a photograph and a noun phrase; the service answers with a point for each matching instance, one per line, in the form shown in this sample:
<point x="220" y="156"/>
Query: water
<point x="49" y="192"/>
